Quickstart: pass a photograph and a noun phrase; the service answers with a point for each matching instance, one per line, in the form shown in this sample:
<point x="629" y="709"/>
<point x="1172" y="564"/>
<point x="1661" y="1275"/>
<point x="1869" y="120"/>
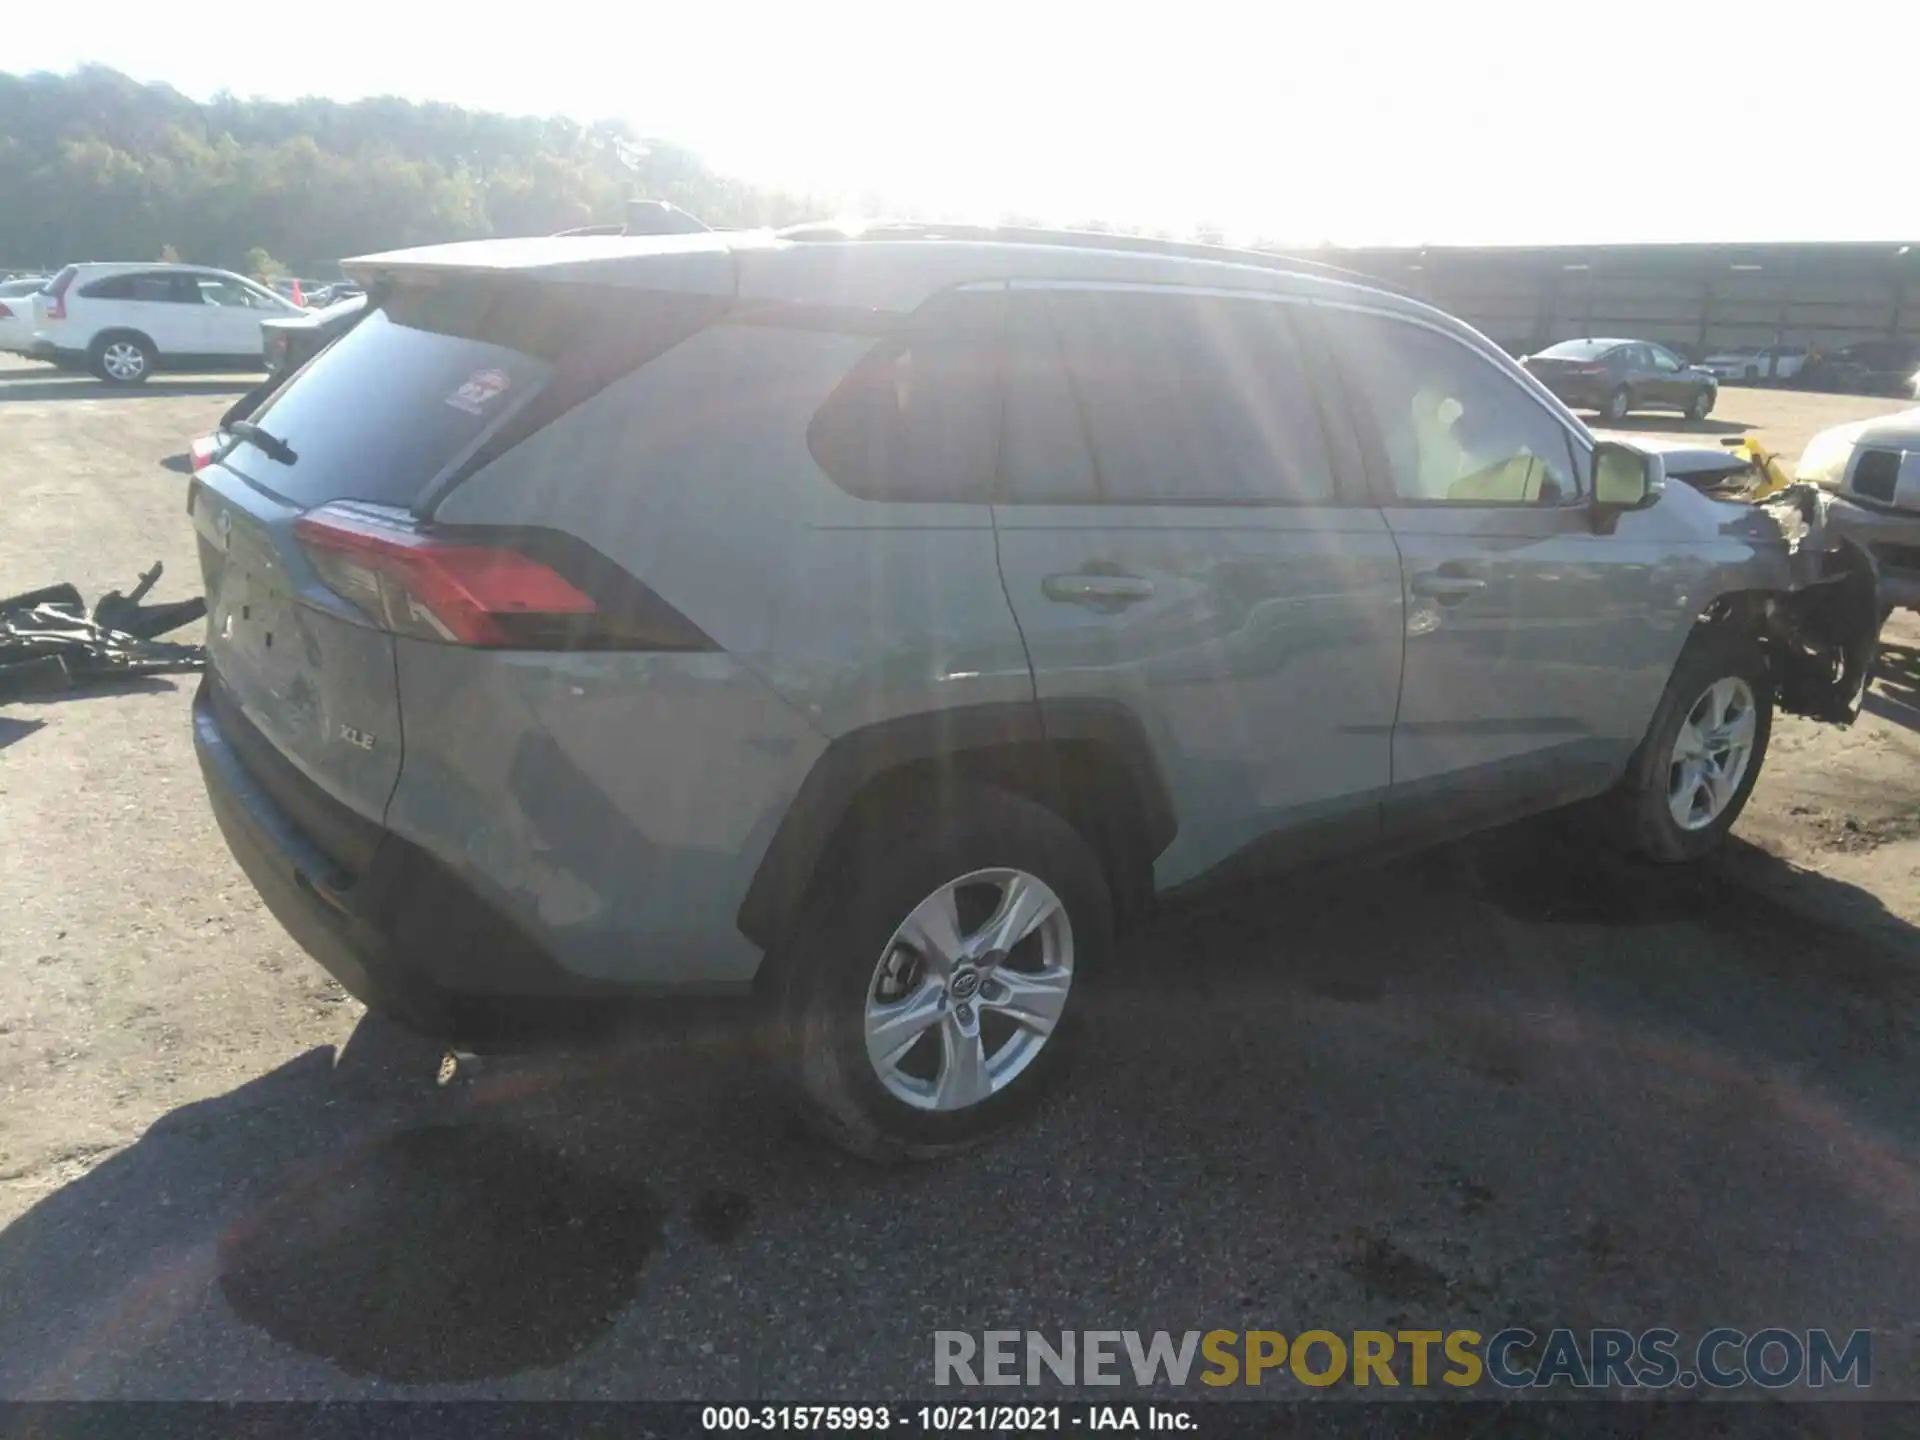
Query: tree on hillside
<point x="95" y="166"/>
<point x="262" y="266"/>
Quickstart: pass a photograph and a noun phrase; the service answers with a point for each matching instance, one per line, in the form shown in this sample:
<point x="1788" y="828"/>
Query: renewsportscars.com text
<point x="1658" y="1358"/>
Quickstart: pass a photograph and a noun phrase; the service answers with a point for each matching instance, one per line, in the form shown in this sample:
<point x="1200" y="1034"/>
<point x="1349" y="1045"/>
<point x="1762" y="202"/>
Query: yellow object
<point x="1773" y="475"/>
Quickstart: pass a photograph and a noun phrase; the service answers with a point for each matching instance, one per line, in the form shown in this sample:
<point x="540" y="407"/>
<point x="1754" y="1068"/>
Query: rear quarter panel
<point x="616" y="805"/>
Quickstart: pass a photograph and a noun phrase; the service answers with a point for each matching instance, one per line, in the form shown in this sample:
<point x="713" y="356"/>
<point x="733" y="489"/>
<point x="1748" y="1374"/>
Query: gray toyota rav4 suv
<point x="864" y="625"/>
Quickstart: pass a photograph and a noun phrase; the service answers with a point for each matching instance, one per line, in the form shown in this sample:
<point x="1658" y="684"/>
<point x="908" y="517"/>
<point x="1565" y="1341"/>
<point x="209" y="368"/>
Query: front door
<point x="1536" y="648"/>
<point x="1175" y="537"/>
<point x="232" y="318"/>
<point x="1670" y="385"/>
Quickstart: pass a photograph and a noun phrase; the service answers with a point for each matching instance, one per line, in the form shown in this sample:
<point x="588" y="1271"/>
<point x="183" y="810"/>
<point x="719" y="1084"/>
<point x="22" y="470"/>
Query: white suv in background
<point x="1773" y="362"/>
<point x="124" y="321"/>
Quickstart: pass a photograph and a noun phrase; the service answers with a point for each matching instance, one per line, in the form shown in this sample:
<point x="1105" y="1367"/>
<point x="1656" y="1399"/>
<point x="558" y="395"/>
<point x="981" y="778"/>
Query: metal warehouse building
<point x="1693" y="297"/>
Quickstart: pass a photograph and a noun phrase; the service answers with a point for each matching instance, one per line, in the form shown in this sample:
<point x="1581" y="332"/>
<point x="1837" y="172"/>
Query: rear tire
<point x="1618" y="405"/>
<point x="859" y="958"/>
<point x="122" y="357"/>
<point x="1721" y="676"/>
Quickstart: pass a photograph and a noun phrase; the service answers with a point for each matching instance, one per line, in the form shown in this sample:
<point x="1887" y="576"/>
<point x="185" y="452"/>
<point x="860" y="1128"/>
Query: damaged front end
<point x="1816" y="608"/>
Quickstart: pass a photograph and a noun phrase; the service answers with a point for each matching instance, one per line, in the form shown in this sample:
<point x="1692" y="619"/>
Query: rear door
<point x="156" y="303"/>
<point x="1175" y="538"/>
<point x="1535" y="647"/>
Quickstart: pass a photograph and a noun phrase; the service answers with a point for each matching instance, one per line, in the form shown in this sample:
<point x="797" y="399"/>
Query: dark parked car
<point x="1616" y="377"/>
<point x="1871" y="367"/>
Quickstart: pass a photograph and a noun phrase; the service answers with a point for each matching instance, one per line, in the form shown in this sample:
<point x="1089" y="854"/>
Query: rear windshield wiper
<point x="275" y="447"/>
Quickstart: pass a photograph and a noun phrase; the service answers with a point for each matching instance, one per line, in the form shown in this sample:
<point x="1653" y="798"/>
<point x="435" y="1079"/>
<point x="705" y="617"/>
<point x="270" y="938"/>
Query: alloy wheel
<point x="969" y="990"/>
<point x="123" y="360"/>
<point x="1711" y="753"/>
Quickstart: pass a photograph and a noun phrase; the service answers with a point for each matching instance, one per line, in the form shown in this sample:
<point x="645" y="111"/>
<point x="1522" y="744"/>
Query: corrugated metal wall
<point x="1696" y="297"/>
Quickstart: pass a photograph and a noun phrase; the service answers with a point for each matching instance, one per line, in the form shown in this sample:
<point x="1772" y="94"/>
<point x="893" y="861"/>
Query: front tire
<point x="1618" y="404"/>
<point x="1691" y="776"/>
<point x="929" y="989"/>
<point x="121" y="357"/>
<point x="1701" y="405"/>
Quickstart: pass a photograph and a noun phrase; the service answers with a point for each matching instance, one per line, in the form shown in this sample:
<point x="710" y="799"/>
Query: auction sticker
<point x="479" y="391"/>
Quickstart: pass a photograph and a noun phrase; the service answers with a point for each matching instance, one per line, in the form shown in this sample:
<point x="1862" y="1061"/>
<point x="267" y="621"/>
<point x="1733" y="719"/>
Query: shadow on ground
<point x="13" y="728"/>
<point x="86" y="687"/>
<point x="1512" y="1080"/>
<point x="1895" y="694"/>
<point x="441" y="1252"/>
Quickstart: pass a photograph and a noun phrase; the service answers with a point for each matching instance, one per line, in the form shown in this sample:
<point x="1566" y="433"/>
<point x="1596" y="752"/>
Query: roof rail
<point x="1085" y="239"/>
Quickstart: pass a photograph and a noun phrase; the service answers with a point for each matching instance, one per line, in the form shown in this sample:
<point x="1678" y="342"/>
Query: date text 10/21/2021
<point x="962" y="1418"/>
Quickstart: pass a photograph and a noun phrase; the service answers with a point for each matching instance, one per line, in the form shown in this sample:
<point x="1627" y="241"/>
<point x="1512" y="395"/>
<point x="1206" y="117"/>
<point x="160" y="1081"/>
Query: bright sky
<point x="1357" y="123"/>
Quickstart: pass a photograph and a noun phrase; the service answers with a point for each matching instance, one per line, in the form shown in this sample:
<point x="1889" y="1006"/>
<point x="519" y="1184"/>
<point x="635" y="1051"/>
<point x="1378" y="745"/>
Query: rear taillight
<point x="451" y="591"/>
<point x="5" y="312"/>
<point x="57" y="296"/>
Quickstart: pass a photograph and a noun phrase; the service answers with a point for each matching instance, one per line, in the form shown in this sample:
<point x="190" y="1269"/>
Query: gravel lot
<point x="1514" y="1080"/>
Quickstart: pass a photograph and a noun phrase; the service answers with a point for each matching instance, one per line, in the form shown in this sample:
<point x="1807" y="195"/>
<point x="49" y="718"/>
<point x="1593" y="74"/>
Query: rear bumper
<point x="408" y="938"/>
<point x="1892" y="537"/>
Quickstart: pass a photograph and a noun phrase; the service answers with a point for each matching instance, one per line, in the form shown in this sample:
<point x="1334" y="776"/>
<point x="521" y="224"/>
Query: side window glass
<point x="1189" y="400"/>
<point x="215" y="291"/>
<point x="1663" y="359"/>
<point x="1453" y="428"/>
<point x="156" y="289"/>
<point x="918" y="418"/>
<point x="1043" y="449"/>
<point x="114" y="287"/>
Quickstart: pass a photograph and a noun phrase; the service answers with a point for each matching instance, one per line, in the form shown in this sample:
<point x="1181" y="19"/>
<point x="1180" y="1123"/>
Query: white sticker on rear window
<point x="478" y="391"/>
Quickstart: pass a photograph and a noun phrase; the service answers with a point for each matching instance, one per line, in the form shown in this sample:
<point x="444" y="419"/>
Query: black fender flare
<point x="942" y="739"/>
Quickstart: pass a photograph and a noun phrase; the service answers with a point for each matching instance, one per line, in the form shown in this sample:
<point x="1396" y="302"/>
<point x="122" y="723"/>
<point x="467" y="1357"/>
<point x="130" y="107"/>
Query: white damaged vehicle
<point x="1873" y="469"/>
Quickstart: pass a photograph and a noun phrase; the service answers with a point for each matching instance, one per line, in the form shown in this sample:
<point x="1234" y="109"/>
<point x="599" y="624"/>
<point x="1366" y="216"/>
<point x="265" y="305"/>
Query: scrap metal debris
<point x="49" y="640"/>
<point x="1823" y="622"/>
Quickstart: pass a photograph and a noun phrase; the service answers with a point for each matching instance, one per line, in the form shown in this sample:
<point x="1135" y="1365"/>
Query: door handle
<point x="1447" y="589"/>
<point x="1097" y="590"/>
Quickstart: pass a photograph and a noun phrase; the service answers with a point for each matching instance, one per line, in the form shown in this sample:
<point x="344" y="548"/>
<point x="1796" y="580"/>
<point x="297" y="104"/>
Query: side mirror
<point x="1623" y="479"/>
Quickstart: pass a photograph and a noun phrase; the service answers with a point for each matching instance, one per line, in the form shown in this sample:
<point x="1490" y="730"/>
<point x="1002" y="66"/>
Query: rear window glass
<point x="11" y="288"/>
<point x="1578" y="350"/>
<point x="917" y="419"/>
<point x="433" y="374"/>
